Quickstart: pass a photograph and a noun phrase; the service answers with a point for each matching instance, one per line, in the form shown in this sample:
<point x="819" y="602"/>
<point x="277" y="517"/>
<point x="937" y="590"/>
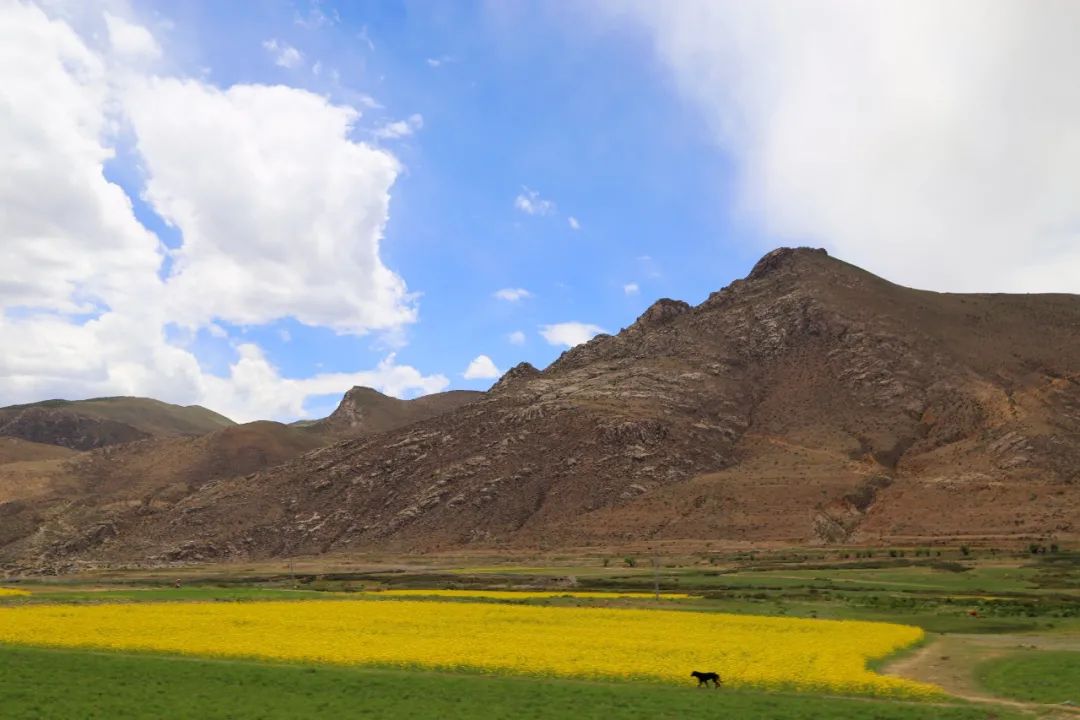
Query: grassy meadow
<point x="552" y="637"/>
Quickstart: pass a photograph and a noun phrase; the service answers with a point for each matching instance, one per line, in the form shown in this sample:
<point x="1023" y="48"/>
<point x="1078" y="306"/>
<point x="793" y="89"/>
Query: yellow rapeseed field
<point x="659" y="645"/>
<point x="11" y="592"/>
<point x="526" y="594"/>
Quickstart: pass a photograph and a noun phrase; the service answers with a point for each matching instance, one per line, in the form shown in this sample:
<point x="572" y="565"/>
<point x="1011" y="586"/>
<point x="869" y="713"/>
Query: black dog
<point x="704" y="678"/>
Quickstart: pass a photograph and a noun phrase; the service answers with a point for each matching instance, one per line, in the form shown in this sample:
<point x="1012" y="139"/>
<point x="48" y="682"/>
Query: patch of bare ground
<point x="949" y="661"/>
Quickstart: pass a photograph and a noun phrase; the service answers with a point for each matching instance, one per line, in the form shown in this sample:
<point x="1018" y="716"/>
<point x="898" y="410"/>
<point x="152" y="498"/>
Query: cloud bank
<point x="936" y="143"/>
<point x="90" y="300"/>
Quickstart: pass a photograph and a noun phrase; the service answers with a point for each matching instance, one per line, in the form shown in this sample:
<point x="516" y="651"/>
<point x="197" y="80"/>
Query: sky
<point x="256" y="206"/>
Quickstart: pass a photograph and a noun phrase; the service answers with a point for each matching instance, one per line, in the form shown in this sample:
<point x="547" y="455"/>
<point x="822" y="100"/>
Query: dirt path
<point x="949" y="662"/>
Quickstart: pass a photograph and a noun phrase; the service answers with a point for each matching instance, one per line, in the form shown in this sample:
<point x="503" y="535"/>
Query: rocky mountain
<point x="87" y="424"/>
<point x="811" y="402"/>
<point x="56" y="502"/>
<point x="364" y="410"/>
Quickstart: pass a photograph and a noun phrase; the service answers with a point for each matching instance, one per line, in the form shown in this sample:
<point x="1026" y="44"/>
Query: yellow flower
<point x="527" y="594"/>
<point x="12" y="592"/>
<point x="591" y="642"/>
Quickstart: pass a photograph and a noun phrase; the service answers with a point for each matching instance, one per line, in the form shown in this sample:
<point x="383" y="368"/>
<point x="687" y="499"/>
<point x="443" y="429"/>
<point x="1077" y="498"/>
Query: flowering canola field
<point x="657" y="645"/>
<point x="526" y="594"/>
<point x="11" y="592"/>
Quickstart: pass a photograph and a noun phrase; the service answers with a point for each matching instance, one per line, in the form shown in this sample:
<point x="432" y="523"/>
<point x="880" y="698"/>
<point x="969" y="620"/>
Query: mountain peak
<point x="521" y="371"/>
<point x="782" y="258"/>
<point x="662" y="311"/>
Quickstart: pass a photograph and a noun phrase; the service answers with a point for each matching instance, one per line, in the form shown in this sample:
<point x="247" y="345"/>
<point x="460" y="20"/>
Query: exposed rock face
<point x="365" y="410"/>
<point x="810" y="402"/>
<point x="88" y="424"/>
<point x="67" y="429"/>
<point x="522" y="372"/>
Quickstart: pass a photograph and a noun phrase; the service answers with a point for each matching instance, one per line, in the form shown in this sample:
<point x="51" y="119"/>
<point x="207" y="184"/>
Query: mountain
<point x="61" y="506"/>
<point x="55" y="502"/>
<point x="811" y="402"/>
<point x="364" y="411"/>
<point x="87" y="424"/>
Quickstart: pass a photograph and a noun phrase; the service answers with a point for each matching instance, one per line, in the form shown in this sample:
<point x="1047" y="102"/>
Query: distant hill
<point x="18" y="450"/>
<point x="88" y="424"/>
<point x="67" y="504"/>
<point x="55" y="502"/>
<point x="364" y="411"/>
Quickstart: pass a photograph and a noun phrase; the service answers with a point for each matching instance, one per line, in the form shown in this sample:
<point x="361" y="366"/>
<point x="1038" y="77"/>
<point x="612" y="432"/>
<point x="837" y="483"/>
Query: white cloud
<point x="401" y="128"/>
<point x="516" y="338"/>
<point x="436" y="62"/>
<point x="569" y="334"/>
<point x="315" y="18"/>
<point x="935" y="143"/>
<point x="218" y="166"/>
<point x="530" y="203"/>
<point x="70" y="241"/>
<point x="512" y="294"/>
<point x="285" y="55"/>
<point x="221" y="164"/>
<point x="573" y="223"/>
<point x="481" y="368"/>
<point x="254" y="389"/>
<point x="631" y="288"/>
<point x="131" y="40"/>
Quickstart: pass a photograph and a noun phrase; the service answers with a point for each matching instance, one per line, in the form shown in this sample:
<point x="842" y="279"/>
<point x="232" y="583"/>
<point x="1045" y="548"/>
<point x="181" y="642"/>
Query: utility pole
<point x="656" y="577"/>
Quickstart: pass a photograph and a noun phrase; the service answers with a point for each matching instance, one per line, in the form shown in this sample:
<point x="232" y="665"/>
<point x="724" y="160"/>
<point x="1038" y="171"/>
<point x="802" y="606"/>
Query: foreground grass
<point x="1045" y="677"/>
<point x="39" y="683"/>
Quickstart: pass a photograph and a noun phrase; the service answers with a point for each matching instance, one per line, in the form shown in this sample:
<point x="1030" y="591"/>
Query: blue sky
<point x="511" y="101"/>
<point x="255" y="206"/>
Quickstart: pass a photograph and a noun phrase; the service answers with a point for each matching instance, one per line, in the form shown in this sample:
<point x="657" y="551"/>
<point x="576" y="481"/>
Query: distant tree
<point x="965" y="550"/>
<point x="630" y="562"/>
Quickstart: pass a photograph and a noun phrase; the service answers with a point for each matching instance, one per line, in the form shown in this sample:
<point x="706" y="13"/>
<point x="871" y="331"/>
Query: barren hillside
<point x="808" y="402"/>
<point x="87" y="424"/>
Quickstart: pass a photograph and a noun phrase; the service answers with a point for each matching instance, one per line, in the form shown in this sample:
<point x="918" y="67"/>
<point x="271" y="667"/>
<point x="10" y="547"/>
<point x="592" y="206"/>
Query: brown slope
<point x="364" y="410"/>
<point x="87" y="424"/>
<point x="18" y="450"/>
<point x="52" y="508"/>
<point x="810" y="402"/>
<point x="55" y="508"/>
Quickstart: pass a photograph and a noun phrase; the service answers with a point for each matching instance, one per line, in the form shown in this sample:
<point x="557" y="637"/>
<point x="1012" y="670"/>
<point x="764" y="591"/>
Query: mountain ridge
<point x="809" y="402"/>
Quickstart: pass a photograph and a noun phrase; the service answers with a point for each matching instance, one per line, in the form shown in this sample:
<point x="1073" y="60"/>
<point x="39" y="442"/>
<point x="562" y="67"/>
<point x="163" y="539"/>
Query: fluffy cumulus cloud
<point x="569" y="334"/>
<point x="512" y="294"/>
<point x="220" y="164"/>
<point x="481" y="368"/>
<point x="631" y="288"/>
<point x="936" y="143"/>
<point x="87" y="297"/>
<point x="516" y="338"/>
<point x="129" y="39"/>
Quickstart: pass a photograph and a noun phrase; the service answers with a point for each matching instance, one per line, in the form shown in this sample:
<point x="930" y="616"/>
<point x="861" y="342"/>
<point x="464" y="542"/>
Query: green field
<point x="1043" y="677"/>
<point x="37" y="684"/>
<point x="977" y="611"/>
